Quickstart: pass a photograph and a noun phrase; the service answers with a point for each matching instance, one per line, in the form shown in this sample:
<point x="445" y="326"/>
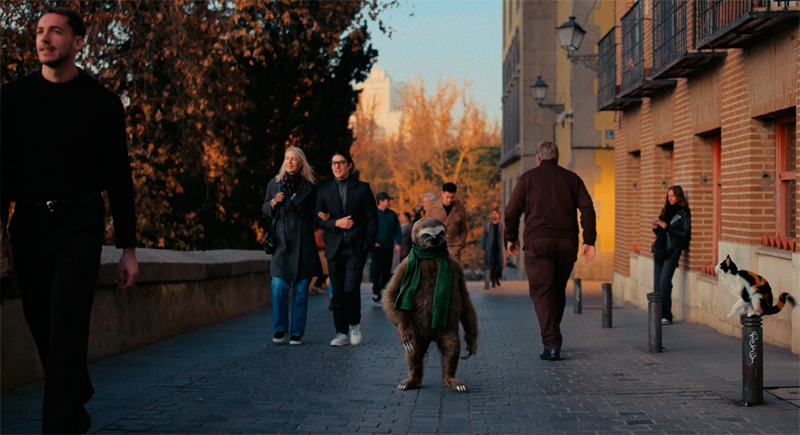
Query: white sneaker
<point x="355" y="334"/>
<point x="340" y="340"/>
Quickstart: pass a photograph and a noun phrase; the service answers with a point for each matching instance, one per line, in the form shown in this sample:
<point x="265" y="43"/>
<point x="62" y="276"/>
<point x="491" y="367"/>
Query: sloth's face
<point x="431" y="237"/>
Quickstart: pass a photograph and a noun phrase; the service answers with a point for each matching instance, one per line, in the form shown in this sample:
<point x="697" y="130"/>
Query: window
<point x="785" y="198"/>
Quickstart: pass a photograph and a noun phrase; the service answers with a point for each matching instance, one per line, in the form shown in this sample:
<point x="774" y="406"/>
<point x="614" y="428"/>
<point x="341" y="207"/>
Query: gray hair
<point x="430" y="196"/>
<point x="547" y="151"/>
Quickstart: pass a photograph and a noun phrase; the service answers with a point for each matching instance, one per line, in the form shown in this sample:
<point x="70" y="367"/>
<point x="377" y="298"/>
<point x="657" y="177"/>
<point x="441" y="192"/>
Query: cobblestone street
<point x="230" y="378"/>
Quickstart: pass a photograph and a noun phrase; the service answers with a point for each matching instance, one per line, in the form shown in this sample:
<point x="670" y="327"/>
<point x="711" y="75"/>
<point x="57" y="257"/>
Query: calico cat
<point x="753" y="290"/>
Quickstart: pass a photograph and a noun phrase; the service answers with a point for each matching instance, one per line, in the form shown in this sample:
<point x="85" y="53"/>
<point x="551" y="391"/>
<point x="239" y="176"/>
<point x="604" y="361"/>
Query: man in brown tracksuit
<point x="549" y="195"/>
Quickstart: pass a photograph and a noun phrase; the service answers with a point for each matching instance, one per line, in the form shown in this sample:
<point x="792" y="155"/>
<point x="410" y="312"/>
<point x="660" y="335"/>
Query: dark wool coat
<point x="487" y="239"/>
<point x="360" y="207"/>
<point x="296" y="256"/>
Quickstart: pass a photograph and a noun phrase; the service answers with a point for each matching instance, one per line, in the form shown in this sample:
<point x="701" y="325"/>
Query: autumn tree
<point x="214" y="92"/>
<point x="443" y="137"/>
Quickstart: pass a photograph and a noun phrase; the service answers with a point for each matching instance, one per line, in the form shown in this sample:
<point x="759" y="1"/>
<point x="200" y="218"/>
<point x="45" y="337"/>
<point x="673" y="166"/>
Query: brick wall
<point x="738" y="100"/>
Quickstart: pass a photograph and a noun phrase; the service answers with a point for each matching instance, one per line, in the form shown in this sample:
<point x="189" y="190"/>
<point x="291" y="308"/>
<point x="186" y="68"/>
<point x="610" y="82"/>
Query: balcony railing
<point x="672" y="56"/>
<point x="669" y="32"/>
<point x="636" y="81"/>
<point x="737" y="23"/>
<point x="607" y="88"/>
<point x="632" y="48"/>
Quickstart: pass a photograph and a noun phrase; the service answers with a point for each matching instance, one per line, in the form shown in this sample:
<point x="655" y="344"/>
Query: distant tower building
<point x="376" y="95"/>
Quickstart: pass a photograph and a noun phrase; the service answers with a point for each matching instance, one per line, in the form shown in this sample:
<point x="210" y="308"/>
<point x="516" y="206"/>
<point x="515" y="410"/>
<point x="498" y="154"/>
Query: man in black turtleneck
<point x="63" y="143"/>
<point x="350" y="233"/>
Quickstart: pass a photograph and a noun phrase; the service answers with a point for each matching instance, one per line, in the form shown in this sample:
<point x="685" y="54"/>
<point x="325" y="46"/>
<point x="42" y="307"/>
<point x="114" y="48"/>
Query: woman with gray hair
<point x="291" y="199"/>
<point x="427" y="198"/>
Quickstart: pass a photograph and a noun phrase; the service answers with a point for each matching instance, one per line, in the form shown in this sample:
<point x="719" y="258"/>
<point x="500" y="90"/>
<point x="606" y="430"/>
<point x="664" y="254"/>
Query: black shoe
<point x="376" y="299"/>
<point x="84" y="421"/>
<point x="280" y="337"/>
<point x="551" y="355"/>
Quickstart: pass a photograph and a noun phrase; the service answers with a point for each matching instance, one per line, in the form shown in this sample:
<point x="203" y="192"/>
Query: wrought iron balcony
<point x="636" y="81"/>
<point x="607" y="88"/>
<point x="738" y="23"/>
<point x="672" y="56"/>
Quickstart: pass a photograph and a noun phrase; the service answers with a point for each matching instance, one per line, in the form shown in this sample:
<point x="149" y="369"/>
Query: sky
<point x="440" y="39"/>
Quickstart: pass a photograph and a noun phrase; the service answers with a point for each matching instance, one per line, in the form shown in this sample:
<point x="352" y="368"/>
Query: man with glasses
<point x="351" y="231"/>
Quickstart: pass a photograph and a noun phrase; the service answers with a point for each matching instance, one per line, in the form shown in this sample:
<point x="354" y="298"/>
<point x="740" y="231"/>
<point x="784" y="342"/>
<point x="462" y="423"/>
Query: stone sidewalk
<point x="230" y="378"/>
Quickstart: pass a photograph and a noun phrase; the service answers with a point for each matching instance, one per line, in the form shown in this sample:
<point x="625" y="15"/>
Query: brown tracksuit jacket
<point x="549" y="195"/>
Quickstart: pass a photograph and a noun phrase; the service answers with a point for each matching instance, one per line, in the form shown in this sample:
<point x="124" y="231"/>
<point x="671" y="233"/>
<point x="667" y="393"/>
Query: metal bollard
<point x="654" y="321"/>
<point x="752" y="361"/>
<point x="577" y="306"/>
<point x="607" y="316"/>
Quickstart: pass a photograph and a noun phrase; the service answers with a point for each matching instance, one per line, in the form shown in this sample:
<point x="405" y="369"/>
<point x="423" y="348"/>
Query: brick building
<point x="705" y="95"/>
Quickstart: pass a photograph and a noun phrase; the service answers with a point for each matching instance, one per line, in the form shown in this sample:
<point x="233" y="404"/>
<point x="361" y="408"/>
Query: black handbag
<point x="270" y="240"/>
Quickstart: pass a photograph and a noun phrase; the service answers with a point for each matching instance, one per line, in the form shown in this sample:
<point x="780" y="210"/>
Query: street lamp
<point x="570" y="37"/>
<point x="539" y="89"/>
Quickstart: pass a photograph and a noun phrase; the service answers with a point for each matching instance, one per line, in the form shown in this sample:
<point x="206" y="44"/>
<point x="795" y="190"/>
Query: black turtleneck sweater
<point x="65" y="140"/>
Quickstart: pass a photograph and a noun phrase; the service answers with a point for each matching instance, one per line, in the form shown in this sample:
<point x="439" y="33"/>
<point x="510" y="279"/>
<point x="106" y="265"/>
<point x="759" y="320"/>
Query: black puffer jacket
<point x="676" y="236"/>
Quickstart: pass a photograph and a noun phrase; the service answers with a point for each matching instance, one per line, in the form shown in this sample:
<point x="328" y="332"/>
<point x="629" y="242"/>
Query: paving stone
<point x="229" y="378"/>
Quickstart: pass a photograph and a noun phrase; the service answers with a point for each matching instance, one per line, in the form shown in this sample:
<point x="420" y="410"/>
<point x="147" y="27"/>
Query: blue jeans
<point x="662" y="282"/>
<point x="280" y="306"/>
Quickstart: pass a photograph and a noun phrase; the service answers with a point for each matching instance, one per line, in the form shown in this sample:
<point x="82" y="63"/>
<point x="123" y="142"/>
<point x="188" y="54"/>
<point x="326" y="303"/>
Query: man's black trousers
<point x="381" y="269"/>
<point x="56" y="262"/>
<point x="346" y="270"/>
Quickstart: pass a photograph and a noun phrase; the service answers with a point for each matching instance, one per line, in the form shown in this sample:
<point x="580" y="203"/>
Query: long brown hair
<point x="682" y="201"/>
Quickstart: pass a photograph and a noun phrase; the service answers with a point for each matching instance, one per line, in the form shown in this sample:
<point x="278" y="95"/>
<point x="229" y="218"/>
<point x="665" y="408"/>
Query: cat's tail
<point x="782" y="300"/>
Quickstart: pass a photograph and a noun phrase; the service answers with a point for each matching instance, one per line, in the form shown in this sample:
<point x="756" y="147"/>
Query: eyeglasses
<point x="338" y="162"/>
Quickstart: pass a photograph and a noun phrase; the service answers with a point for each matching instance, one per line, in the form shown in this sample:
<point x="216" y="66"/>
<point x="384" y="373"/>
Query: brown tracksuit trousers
<point x="548" y="263"/>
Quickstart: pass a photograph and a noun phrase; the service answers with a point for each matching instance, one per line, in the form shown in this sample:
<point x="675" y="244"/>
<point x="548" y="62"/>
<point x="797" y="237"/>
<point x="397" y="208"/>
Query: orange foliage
<point x="444" y="137"/>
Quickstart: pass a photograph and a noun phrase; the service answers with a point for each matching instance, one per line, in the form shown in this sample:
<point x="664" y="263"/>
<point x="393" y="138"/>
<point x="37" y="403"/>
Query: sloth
<point x="426" y="299"/>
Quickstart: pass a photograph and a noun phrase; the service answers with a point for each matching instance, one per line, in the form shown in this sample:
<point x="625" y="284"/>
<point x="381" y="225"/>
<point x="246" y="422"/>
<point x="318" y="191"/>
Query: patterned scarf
<point x="291" y="183"/>
<point x="410" y="283"/>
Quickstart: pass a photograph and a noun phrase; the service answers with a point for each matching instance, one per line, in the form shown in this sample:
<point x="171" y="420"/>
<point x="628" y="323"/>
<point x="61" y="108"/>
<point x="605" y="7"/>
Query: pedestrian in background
<point x="405" y="232"/>
<point x="422" y="210"/>
<point x="549" y="195"/>
<point x="291" y="199"/>
<point x="451" y="211"/>
<point x="321" y="282"/>
<point x="350" y="233"/>
<point x="492" y="247"/>
<point x="63" y="142"/>
<point x="387" y="242"/>
<point x="673" y="229"/>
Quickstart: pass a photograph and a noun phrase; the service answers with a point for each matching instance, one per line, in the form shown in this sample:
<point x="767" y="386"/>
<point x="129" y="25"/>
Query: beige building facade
<point x="585" y="137"/>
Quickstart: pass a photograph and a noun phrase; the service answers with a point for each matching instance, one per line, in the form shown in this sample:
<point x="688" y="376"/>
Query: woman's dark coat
<point x="296" y="257"/>
<point x="676" y="236"/>
<point x="487" y="239"/>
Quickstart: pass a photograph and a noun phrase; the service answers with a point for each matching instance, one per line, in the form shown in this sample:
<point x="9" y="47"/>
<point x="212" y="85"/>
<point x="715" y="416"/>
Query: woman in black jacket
<point x="291" y="198"/>
<point x="673" y="230"/>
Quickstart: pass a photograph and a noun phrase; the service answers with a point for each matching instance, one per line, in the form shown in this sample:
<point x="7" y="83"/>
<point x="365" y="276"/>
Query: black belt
<point x="58" y="204"/>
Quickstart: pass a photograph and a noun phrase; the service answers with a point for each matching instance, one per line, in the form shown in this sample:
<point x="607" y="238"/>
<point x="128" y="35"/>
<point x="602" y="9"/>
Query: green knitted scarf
<point x="410" y="283"/>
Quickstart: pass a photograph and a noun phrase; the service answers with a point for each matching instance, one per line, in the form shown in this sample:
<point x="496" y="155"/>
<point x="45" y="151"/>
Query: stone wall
<point x="177" y="292"/>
